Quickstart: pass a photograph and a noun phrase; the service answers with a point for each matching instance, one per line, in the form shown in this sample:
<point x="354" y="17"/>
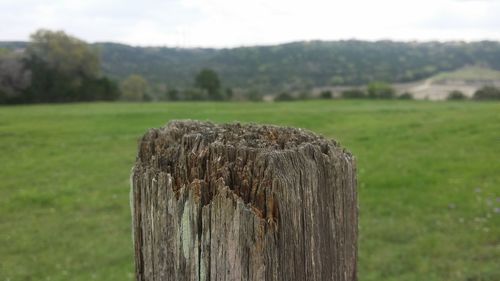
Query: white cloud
<point x="230" y="22"/>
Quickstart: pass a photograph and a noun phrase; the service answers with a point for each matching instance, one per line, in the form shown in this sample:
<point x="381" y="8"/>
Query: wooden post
<point x="243" y="202"/>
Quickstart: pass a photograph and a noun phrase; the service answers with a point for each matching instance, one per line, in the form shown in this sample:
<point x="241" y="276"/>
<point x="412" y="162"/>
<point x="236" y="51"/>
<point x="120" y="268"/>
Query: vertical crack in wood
<point x="303" y="213"/>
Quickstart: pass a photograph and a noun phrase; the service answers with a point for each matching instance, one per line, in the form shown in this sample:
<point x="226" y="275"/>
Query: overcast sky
<point x="229" y="23"/>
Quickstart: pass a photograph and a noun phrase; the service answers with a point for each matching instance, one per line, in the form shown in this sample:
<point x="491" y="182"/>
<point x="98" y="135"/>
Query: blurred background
<point x="411" y="88"/>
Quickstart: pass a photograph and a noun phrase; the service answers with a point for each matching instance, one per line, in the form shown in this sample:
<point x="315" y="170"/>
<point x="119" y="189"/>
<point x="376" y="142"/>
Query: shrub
<point x="195" y="95"/>
<point x="487" y="93"/>
<point x="254" y="95"/>
<point x="326" y="95"/>
<point x="380" y="90"/>
<point x="229" y="93"/>
<point x="99" y="89"/>
<point x="353" y="94"/>
<point x="406" y="96"/>
<point x="134" y="88"/>
<point x="172" y="94"/>
<point x="304" y="96"/>
<point x="283" y="97"/>
<point x="456" y="95"/>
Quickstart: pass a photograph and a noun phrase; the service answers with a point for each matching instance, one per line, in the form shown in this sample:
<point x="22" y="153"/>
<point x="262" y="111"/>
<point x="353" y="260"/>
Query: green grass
<point x="429" y="183"/>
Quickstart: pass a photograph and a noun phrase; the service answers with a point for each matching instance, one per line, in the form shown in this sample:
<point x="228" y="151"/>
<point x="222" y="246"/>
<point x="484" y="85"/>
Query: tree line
<point x="382" y="90"/>
<point x="206" y="86"/>
<point x="298" y="66"/>
<point x="57" y="67"/>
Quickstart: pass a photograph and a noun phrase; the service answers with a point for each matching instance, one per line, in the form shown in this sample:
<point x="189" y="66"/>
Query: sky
<point x="231" y="23"/>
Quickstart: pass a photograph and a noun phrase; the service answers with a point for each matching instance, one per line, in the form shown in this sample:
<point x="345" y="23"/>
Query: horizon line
<point x="237" y="46"/>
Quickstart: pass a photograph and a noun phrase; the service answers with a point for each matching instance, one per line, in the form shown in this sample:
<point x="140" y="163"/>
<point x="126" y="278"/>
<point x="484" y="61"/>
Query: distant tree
<point x="14" y="78"/>
<point x="60" y="65"/>
<point x="64" y="69"/>
<point x="208" y="80"/>
<point x="284" y="97"/>
<point x="304" y="95"/>
<point x="172" y="94"/>
<point x="194" y="95"/>
<point x="406" y="96"/>
<point x="326" y="95"/>
<point x="353" y="94"/>
<point x="337" y="80"/>
<point x="254" y="95"/>
<point x="380" y="90"/>
<point x="487" y="93"/>
<point x="100" y="89"/>
<point x="229" y="93"/>
<point x="134" y="88"/>
<point x="456" y="95"/>
<point x="64" y="53"/>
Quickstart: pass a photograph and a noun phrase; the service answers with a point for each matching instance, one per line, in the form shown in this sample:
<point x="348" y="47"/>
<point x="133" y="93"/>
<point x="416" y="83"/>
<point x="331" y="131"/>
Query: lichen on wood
<point x="243" y="202"/>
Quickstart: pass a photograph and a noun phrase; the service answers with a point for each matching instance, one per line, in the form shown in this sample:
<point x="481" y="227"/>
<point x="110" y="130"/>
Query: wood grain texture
<point x="243" y="202"/>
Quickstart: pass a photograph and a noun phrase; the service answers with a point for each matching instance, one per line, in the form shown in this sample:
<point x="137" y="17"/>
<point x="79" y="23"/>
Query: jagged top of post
<point x="256" y="136"/>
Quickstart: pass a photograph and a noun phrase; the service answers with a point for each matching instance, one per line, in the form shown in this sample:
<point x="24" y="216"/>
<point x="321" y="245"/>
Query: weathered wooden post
<point x="243" y="202"/>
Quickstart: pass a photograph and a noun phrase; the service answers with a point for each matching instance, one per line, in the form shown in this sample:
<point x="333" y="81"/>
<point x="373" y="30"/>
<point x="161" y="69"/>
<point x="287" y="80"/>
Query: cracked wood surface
<point x="243" y="202"/>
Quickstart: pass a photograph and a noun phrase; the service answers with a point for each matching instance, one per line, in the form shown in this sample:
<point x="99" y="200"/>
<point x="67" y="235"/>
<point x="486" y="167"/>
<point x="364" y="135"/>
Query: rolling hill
<point x="295" y="66"/>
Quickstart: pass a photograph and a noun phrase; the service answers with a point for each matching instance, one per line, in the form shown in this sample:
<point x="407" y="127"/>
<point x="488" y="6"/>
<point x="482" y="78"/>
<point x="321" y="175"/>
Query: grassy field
<point x="429" y="183"/>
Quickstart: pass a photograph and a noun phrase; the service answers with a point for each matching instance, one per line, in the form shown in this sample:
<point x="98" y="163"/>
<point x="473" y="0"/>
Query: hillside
<point x="467" y="80"/>
<point x="296" y="66"/>
<point x="468" y="74"/>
